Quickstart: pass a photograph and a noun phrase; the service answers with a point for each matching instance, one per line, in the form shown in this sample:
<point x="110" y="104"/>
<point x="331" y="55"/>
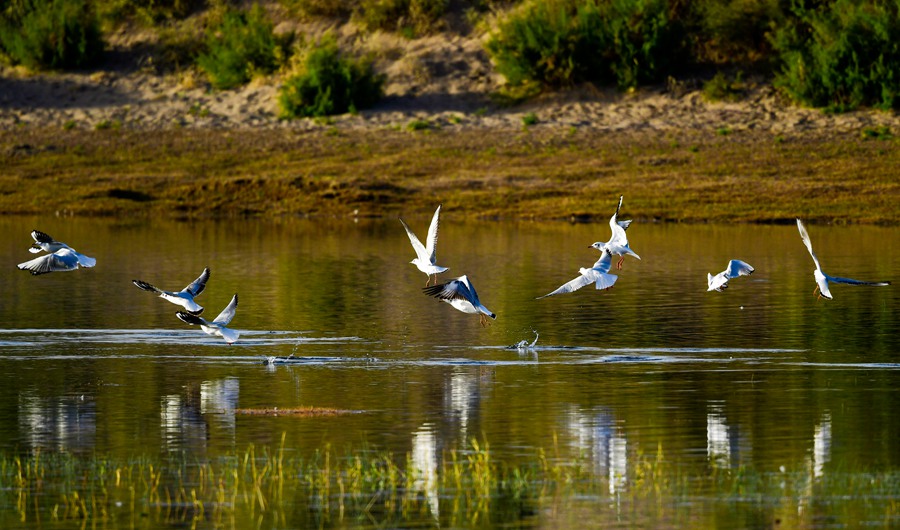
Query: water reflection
<point x="190" y="420"/>
<point x="424" y="457"/>
<point x="821" y="453"/>
<point x="654" y="362"/>
<point x="600" y="438"/>
<point x="65" y="423"/>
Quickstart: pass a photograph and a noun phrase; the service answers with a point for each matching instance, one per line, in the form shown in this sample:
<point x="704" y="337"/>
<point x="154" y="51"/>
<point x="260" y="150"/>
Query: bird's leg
<point x="481" y="317"/>
<point x="428" y="280"/>
<point x="619" y="263"/>
<point x="816" y="289"/>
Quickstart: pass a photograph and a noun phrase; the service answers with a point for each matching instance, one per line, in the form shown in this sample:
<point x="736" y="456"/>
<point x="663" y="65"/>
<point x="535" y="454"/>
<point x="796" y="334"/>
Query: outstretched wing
<point x="196" y="287"/>
<point x="85" y="261"/>
<point x="618" y="232"/>
<point x="574" y="285"/>
<point x="737" y="268"/>
<point x="193" y="320"/>
<point x="227" y="314"/>
<point x="431" y="241"/>
<point x="140" y="284"/>
<point x="452" y="290"/>
<point x="41" y="237"/>
<point x="805" y="237"/>
<point x="850" y="281"/>
<point x="421" y="253"/>
<point x="604" y="263"/>
<point x="61" y="260"/>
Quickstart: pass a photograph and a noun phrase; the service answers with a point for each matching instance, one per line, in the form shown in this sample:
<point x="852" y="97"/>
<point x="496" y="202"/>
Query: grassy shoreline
<point x="540" y="173"/>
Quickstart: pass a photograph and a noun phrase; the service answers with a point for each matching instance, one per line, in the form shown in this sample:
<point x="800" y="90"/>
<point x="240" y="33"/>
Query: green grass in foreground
<point x="523" y="174"/>
<point x="467" y="488"/>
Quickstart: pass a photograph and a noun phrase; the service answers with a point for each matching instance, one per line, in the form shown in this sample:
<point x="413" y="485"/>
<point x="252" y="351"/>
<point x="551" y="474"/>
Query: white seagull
<point x="60" y="257"/>
<point x="618" y="241"/>
<point x="735" y="268"/>
<point x="425" y="255"/>
<point x="184" y="297"/>
<point x="822" y="279"/>
<point x="598" y="273"/>
<point x="217" y="326"/>
<point x="460" y="293"/>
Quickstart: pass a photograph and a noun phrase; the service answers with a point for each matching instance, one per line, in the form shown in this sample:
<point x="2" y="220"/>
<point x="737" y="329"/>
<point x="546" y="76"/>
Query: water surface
<point x="763" y="376"/>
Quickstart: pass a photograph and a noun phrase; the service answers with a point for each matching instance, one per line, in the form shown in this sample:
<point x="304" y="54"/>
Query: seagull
<point x="184" y="297"/>
<point x="425" y="255"/>
<point x="217" y="326"/>
<point x="735" y="268"/>
<point x="460" y="293"/>
<point x="60" y="257"/>
<point x="618" y="241"/>
<point x="822" y="279"/>
<point x="598" y="273"/>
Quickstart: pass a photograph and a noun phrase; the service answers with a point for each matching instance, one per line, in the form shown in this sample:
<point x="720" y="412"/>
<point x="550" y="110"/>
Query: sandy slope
<point x="445" y="80"/>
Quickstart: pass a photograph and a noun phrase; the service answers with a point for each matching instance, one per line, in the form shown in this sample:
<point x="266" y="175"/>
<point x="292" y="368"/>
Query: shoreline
<point x="549" y="173"/>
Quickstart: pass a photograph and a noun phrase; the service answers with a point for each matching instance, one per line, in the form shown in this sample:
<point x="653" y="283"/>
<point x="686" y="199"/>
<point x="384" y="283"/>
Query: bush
<point x="562" y="42"/>
<point x="414" y="17"/>
<point x="841" y="56"/>
<point x="51" y="34"/>
<point x="329" y="83"/>
<point x="242" y="45"/>
<point x="150" y="13"/>
<point x="734" y="32"/>
<point x="322" y="8"/>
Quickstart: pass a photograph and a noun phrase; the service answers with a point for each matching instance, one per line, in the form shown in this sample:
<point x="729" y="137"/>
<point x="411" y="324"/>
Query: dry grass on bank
<point x="515" y="174"/>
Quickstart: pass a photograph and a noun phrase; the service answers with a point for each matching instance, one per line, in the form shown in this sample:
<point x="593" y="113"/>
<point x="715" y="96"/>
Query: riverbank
<point x="542" y="172"/>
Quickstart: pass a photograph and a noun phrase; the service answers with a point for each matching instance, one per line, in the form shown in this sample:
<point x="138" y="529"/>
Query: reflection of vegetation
<point x="465" y="488"/>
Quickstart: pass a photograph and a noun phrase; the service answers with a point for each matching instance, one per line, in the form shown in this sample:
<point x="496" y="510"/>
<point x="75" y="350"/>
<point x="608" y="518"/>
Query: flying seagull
<point x="822" y="279"/>
<point x="598" y="273"/>
<point x="425" y="255"/>
<point x="184" y="297"/>
<point x="217" y="326"/>
<point x="460" y="293"/>
<point x="618" y="241"/>
<point x="60" y="257"/>
<point x="735" y="268"/>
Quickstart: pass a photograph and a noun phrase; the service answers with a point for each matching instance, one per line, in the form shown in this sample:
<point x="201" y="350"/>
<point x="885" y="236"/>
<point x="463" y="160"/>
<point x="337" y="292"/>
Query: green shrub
<point x="723" y="88"/>
<point x="734" y="32"/>
<point x="55" y="34"/>
<point x="150" y="13"/>
<point x="329" y="83"/>
<point x="562" y="42"/>
<point x="413" y="17"/>
<point x="841" y="56"/>
<point x="322" y="8"/>
<point x="241" y="46"/>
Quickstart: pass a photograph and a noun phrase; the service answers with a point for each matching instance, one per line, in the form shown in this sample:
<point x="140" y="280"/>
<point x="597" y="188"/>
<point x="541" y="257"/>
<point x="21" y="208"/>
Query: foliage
<point x="54" y="34"/>
<point x="413" y="16"/>
<point x="322" y="8"/>
<point x="723" y="88"/>
<point x="562" y="42"/>
<point x="841" y="55"/>
<point x="242" y="45"/>
<point x="330" y="83"/>
<point x="734" y="31"/>
<point x="149" y="12"/>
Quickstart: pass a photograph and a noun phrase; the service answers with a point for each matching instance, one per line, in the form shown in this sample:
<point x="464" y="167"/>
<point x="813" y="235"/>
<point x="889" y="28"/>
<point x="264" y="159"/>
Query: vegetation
<point x="410" y="17"/>
<point x="842" y="55"/>
<point x="240" y="47"/>
<point x="462" y="488"/>
<point x="552" y="172"/>
<point x="329" y="83"/>
<point x="563" y="42"/>
<point x="50" y="34"/>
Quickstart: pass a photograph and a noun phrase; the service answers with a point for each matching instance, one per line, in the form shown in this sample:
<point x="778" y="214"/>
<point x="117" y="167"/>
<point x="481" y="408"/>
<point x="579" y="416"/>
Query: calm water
<point x="762" y="376"/>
